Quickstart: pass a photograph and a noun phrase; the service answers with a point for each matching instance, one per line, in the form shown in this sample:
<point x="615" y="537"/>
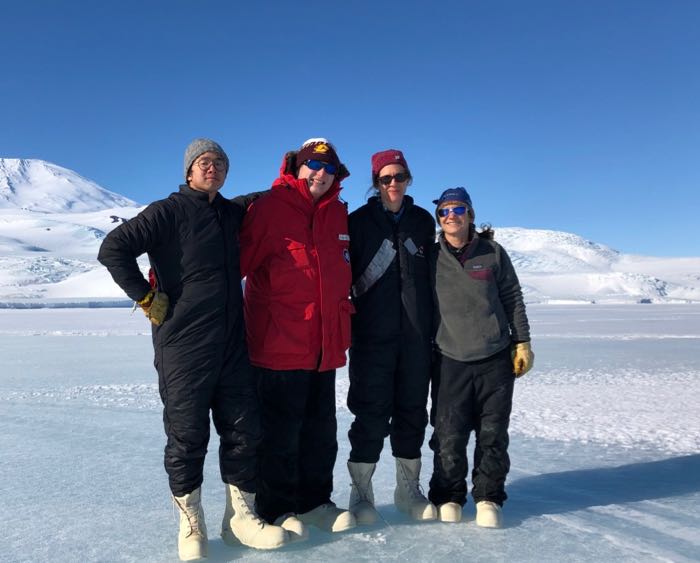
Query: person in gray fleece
<point x="483" y="344"/>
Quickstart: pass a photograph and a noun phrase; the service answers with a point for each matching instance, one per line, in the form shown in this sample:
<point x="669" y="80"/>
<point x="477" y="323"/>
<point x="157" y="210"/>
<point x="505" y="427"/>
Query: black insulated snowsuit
<point x="390" y="354"/>
<point x="200" y="349"/>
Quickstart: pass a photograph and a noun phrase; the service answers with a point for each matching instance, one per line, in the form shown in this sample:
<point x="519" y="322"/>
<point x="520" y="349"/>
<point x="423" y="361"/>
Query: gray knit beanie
<point x="200" y="146"/>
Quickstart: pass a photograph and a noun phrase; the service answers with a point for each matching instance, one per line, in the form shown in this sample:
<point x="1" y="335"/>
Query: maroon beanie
<point x="384" y="158"/>
<point x="318" y="149"/>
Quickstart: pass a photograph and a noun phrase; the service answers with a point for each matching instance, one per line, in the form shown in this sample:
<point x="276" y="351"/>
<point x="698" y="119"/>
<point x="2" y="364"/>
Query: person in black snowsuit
<point x="483" y="338"/>
<point x="390" y="354"/>
<point x="198" y="334"/>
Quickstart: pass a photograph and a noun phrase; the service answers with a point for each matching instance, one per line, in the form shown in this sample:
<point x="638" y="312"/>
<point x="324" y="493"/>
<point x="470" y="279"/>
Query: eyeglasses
<point x="205" y="163"/>
<point x="445" y="211"/>
<point x="318" y="164"/>
<point x="400" y="177"/>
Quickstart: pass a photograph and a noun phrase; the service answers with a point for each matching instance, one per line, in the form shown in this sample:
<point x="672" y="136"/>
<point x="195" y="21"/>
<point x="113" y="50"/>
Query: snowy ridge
<point x="52" y="222"/>
<point x="40" y="186"/>
<point x="559" y="267"/>
<point x="50" y="259"/>
<point x="542" y="251"/>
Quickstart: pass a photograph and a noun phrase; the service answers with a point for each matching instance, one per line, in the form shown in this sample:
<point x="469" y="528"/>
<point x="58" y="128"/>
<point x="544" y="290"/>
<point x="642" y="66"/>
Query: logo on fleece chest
<point x="478" y="271"/>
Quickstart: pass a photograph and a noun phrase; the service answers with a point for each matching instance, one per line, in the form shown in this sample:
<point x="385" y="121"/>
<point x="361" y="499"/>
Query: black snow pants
<point x="388" y="395"/>
<point x="471" y="396"/>
<point x="299" y="446"/>
<point x="192" y="381"/>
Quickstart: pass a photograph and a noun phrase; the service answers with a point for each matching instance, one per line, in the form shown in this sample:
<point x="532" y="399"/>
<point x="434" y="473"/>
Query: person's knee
<point x="493" y="435"/>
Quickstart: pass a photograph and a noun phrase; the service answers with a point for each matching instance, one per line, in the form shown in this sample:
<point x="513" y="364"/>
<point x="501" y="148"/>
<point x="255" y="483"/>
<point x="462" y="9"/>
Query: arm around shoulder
<point x="254" y="239"/>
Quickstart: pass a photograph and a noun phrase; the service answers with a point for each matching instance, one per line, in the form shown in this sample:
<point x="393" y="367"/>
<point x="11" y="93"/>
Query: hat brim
<point x="438" y="202"/>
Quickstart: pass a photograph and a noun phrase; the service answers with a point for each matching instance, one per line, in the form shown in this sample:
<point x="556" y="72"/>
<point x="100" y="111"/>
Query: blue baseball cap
<point x="454" y="194"/>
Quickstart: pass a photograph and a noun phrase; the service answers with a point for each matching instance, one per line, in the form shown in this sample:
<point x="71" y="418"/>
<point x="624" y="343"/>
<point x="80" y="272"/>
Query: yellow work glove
<point x="155" y="306"/>
<point x="523" y="358"/>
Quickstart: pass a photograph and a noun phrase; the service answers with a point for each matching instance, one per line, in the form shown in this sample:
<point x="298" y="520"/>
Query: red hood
<point x="302" y="186"/>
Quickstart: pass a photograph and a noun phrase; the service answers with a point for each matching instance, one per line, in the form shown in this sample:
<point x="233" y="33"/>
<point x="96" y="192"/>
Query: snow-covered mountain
<point x="554" y="266"/>
<point x="36" y="185"/>
<point x="52" y="222"/>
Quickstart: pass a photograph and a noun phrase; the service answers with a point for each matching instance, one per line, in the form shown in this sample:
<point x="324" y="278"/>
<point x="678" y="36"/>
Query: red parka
<point x="295" y="257"/>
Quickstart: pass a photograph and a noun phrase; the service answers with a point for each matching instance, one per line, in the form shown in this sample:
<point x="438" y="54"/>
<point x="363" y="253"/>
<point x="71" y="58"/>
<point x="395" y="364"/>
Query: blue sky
<point x="573" y="115"/>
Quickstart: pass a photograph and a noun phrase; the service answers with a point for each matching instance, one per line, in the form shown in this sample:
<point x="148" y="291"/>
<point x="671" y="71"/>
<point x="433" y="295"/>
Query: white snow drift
<point x="52" y="222"/>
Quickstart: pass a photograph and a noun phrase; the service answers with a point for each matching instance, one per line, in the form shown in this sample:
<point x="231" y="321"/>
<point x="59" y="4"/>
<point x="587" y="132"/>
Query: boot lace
<point x="363" y="496"/>
<point x="247" y="502"/>
<point x="362" y="492"/>
<point x="413" y="486"/>
<point x="192" y="515"/>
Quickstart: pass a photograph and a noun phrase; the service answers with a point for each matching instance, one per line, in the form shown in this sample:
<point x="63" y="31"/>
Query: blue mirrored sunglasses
<point x="445" y="211"/>
<point x="318" y="164"/>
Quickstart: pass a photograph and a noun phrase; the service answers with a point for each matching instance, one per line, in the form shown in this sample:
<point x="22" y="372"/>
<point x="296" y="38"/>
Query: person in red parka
<point x="295" y="256"/>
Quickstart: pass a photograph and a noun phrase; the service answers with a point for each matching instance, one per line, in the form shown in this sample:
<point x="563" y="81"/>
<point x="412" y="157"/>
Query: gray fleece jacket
<point x="480" y="303"/>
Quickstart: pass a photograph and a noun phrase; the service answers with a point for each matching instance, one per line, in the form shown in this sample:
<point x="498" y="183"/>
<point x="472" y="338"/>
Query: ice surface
<point x="605" y="448"/>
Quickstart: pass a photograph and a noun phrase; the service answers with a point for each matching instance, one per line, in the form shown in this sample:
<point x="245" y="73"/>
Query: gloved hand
<point x="523" y="358"/>
<point x="155" y="306"/>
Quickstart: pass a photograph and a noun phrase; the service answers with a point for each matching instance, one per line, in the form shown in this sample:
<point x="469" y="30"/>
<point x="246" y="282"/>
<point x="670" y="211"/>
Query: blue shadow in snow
<point x="555" y="493"/>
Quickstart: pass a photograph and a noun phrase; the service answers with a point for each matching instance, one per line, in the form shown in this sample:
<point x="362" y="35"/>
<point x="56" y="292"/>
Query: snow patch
<point x="54" y="213"/>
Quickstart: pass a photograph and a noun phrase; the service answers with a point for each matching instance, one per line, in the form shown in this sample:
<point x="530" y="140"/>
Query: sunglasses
<point x="400" y="177"/>
<point x="445" y="211"/>
<point x="318" y="164"/>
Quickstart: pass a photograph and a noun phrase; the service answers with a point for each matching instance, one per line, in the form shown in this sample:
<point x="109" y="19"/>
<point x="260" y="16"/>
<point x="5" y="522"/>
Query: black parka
<point x="193" y="248"/>
<point x="399" y="303"/>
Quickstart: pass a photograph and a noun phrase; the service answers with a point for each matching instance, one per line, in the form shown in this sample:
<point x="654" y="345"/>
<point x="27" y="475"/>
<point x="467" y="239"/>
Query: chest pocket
<point x="482" y="274"/>
<point x="414" y="258"/>
<point x="298" y="255"/>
